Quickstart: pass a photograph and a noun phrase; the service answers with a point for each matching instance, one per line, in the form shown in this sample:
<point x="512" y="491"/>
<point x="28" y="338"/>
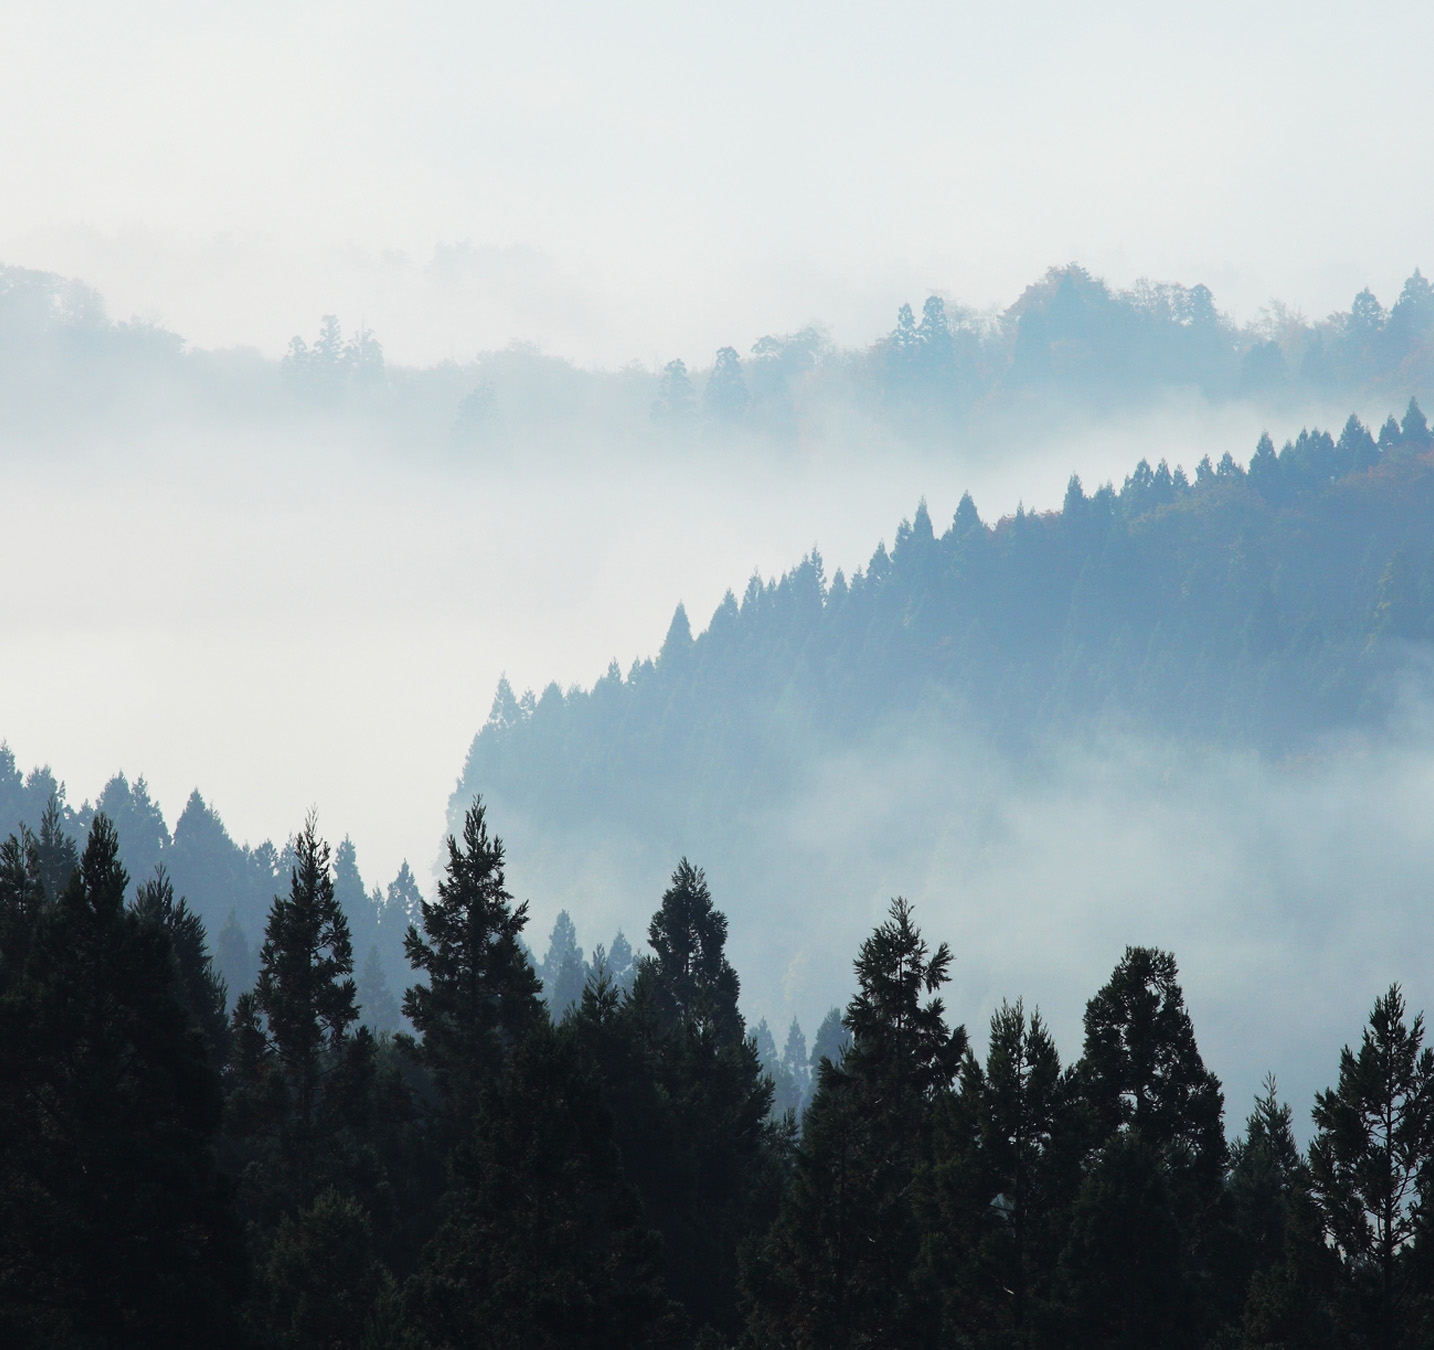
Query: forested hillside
<point x="1259" y="605"/>
<point x="626" y="1174"/>
<point x="1070" y="343"/>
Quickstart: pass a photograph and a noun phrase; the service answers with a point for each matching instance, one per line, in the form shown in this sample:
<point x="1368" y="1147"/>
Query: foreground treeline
<point x="284" y="1177"/>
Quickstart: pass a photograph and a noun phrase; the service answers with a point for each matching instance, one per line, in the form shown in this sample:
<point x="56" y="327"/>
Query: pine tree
<point x="562" y="972"/>
<point x="306" y="989"/>
<point x="837" y="1268"/>
<point x="725" y="398"/>
<point x="58" y="856"/>
<point x="114" y="1227"/>
<point x="797" y="1070"/>
<point x="22" y="900"/>
<point x="1372" y="1161"/>
<point x="481" y="998"/>
<point x="1122" y="1271"/>
<point x="831" y="1043"/>
<point x="688" y="974"/>
<point x="376" y="1002"/>
<point x="1142" y="1070"/>
<point x="201" y="988"/>
<point x="1020" y="1117"/>
<point x="545" y="1244"/>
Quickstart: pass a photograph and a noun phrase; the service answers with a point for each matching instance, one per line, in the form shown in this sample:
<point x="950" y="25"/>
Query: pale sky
<point x="630" y="181"/>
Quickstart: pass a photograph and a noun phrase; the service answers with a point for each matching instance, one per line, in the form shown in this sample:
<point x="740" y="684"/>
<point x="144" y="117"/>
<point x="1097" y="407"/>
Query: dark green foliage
<point x="1372" y="1165"/>
<point x="1121" y="1275"/>
<point x="619" y="1177"/>
<point x="690" y="1099"/>
<point x="688" y="977"/>
<point x="57" y="856"/>
<point x="1022" y="1101"/>
<point x="306" y="989"/>
<point x="838" y="1267"/>
<point x="22" y="897"/>
<point x="200" y="987"/>
<point x="545" y="1245"/>
<point x="481" y="997"/>
<point x="322" y="1279"/>
<point x="1141" y="1070"/>
<point x="114" y="1227"/>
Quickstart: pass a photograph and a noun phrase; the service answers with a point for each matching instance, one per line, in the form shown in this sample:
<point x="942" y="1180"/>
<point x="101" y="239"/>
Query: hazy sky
<point x="290" y="624"/>
<point x="631" y="181"/>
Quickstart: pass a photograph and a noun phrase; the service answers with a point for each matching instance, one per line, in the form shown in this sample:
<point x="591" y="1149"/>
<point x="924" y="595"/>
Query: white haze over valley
<point x="300" y="619"/>
<point x="316" y="613"/>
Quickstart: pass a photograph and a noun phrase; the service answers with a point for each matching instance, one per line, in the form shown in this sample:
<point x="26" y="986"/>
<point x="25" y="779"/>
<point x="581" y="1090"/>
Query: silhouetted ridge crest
<point x="1244" y="605"/>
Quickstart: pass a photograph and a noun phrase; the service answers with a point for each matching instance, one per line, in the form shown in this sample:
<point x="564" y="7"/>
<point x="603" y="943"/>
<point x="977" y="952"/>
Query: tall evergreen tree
<point x="1142" y="1070"/>
<point x="563" y="972"/>
<point x="838" y="1267"/>
<point x="481" y="997"/>
<point x="114" y="1227"/>
<point x="688" y="974"/>
<point x="306" y="988"/>
<point x="545" y="1244"/>
<point x="22" y="898"/>
<point x="1372" y="1164"/>
<point x="201" y="988"/>
<point x="58" y="856"/>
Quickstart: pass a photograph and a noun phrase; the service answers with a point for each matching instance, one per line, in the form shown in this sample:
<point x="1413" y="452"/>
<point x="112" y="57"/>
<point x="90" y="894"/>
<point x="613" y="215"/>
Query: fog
<point x="636" y="182"/>
<point x="312" y="608"/>
<point x="310" y="617"/>
<point x="1292" y="892"/>
<point x="306" y="616"/>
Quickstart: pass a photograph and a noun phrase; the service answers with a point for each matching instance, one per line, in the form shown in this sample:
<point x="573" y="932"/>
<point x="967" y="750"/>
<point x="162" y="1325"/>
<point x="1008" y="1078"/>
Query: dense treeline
<point x="1069" y="340"/>
<point x="231" y="885"/>
<point x="621" y="1175"/>
<point x="1257" y="606"/>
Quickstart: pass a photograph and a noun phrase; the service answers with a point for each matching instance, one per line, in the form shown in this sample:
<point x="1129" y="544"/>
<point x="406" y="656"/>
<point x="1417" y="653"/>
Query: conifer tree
<point x="306" y="988"/>
<point x="114" y="1227"/>
<point x="1372" y="1163"/>
<point x="377" y="1006"/>
<point x="22" y="898"/>
<point x="688" y="974"/>
<point x="201" y="988"/>
<point x="481" y="997"/>
<point x="1021" y="1109"/>
<point x="796" y="1070"/>
<point x="838" y="1267"/>
<point x="1142" y="1070"/>
<point x="545" y="1244"/>
<point x="58" y="856"/>
<point x="563" y="973"/>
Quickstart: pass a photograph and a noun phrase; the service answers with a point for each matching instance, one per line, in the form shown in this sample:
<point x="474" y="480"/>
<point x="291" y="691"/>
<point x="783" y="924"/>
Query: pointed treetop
<point x="679" y="637"/>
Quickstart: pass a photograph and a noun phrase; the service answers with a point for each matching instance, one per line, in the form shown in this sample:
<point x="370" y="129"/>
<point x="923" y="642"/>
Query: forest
<point x="183" y="1164"/>
<point x="1070" y="343"/>
<point x="1260" y="605"/>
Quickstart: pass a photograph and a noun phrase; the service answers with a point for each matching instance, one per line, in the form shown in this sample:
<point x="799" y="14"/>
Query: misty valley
<point x="829" y="977"/>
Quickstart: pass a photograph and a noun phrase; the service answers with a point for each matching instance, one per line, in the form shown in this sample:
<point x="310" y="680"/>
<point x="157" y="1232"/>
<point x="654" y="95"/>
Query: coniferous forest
<point x="691" y="677"/>
<point x="248" y="1101"/>
<point x="184" y="1164"/>
<point x="1262" y="604"/>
